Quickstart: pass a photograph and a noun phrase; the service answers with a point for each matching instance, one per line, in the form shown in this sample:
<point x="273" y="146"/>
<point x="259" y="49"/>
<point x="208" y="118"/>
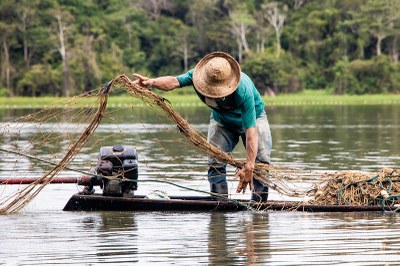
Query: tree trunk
<point x="7" y="66"/>
<point x="240" y="50"/>
<point x="185" y="55"/>
<point x="278" y="44"/>
<point x="360" y="47"/>
<point x="262" y="43"/>
<point x="378" y="47"/>
<point x="243" y="37"/>
<point x="298" y="3"/>
<point x="394" y="50"/>
<point x="379" y="44"/>
<point x="276" y="18"/>
<point x="258" y="43"/>
<point x="64" y="57"/>
<point x="25" y="42"/>
<point x="66" y="78"/>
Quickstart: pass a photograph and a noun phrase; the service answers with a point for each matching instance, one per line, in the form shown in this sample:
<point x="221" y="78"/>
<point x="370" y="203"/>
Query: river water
<point x="307" y="137"/>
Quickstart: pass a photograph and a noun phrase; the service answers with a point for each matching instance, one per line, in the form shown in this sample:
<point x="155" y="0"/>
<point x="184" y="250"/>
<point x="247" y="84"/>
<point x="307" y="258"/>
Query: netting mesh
<point x="360" y="189"/>
<point x="58" y="161"/>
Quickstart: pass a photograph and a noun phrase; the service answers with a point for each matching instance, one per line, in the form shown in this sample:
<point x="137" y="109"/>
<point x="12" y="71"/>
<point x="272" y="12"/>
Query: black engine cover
<point x="120" y="162"/>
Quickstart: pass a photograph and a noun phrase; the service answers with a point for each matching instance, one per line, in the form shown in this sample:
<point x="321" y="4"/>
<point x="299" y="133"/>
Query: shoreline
<point x="190" y="100"/>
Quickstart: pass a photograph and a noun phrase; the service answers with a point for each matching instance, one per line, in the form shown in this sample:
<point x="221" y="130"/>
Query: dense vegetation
<point x="66" y="47"/>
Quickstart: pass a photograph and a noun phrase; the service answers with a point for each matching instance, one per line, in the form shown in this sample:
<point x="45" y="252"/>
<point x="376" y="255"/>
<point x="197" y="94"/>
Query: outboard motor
<point x="118" y="162"/>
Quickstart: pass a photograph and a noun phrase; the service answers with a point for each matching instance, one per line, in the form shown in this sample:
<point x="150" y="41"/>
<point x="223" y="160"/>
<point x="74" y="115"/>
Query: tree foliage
<point x="66" y="47"/>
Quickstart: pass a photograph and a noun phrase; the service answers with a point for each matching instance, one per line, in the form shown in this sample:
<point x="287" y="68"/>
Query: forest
<point x="68" y="47"/>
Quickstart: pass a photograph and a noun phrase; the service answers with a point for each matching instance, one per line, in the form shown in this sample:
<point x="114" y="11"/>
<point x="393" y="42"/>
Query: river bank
<point x="305" y="98"/>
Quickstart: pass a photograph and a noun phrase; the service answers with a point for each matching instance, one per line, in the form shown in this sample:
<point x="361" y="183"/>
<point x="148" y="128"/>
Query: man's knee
<point x="264" y="143"/>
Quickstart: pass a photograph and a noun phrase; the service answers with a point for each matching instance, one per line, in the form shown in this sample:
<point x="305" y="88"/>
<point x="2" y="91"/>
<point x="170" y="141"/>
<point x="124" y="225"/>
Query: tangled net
<point x="360" y="189"/>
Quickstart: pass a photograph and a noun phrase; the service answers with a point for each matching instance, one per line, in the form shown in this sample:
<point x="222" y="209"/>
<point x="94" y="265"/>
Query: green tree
<point x="241" y="21"/>
<point x="310" y="36"/>
<point x="7" y="29"/>
<point x="39" y="81"/>
<point x="28" y="17"/>
<point x="379" y="16"/>
<point x="63" y="21"/>
<point x="273" y="75"/>
<point x="275" y="14"/>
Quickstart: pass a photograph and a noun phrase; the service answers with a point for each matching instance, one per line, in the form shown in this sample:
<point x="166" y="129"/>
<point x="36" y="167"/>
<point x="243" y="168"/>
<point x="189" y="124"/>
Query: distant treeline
<point x="66" y="47"/>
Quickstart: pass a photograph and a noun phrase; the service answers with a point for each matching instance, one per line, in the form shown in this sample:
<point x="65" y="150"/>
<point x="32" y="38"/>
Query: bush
<point x="315" y="76"/>
<point x="344" y="80"/>
<point x="4" y="92"/>
<point x="39" y="80"/>
<point x="271" y="74"/>
<point x="377" y="75"/>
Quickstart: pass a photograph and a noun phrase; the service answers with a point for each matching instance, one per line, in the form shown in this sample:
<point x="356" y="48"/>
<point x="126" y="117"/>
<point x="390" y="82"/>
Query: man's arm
<point x="167" y="83"/>
<point x="246" y="173"/>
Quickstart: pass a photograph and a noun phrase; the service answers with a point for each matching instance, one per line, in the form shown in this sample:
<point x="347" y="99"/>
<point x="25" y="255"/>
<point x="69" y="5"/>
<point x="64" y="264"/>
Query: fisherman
<point x="237" y="111"/>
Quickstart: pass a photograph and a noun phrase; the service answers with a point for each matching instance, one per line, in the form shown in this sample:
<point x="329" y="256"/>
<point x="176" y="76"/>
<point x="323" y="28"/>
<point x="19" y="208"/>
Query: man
<point x="237" y="111"/>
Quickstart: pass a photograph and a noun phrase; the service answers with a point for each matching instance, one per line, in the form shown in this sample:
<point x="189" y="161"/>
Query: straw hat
<point x="216" y="75"/>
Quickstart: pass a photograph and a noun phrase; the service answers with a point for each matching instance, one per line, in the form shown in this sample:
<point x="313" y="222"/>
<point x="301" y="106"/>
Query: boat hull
<point x="98" y="202"/>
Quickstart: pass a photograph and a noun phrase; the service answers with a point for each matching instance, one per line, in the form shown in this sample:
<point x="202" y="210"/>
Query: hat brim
<point x="221" y="89"/>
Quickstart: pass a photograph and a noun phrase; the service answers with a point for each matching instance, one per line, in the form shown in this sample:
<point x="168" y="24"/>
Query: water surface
<point x="318" y="138"/>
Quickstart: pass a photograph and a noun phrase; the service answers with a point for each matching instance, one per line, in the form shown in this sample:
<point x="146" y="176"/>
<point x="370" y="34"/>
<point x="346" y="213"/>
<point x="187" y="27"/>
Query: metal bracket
<point x="106" y="88"/>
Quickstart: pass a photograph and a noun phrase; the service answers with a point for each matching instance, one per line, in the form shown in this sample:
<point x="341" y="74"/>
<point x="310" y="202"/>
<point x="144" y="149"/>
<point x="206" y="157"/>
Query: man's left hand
<point x="246" y="178"/>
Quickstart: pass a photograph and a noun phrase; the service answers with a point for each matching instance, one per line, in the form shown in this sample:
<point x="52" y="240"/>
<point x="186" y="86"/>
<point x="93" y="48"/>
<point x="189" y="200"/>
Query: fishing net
<point x="17" y="146"/>
<point x="360" y="189"/>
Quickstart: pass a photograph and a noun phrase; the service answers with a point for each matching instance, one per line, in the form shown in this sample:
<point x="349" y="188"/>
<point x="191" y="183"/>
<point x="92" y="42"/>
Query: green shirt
<point x="237" y="110"/>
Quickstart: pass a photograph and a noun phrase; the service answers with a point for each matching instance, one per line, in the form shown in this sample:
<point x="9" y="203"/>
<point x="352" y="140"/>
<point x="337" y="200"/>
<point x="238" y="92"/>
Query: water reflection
<point x="242" y="240"/>
<point x="117" y="238"/>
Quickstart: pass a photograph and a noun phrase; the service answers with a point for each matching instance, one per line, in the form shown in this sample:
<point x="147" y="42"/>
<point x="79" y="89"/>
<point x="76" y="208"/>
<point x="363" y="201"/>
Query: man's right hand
<point x="167" y="83"/>
<point x="143" y="81"/>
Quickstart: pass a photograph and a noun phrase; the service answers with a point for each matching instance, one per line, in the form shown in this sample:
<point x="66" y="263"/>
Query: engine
<point x="119" y="167"/>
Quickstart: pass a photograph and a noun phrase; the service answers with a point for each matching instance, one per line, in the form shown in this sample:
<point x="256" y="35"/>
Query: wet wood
<point x="98" y="202"/>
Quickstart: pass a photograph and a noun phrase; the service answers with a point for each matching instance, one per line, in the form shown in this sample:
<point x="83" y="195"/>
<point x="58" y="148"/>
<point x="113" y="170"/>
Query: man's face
<point x="211" y="102"/>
